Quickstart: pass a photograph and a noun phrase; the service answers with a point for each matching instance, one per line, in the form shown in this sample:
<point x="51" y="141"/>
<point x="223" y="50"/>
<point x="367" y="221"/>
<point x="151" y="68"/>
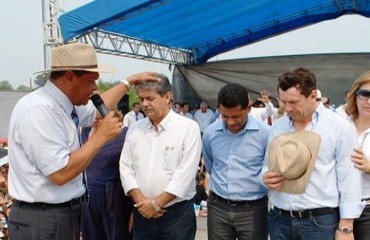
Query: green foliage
<point x="41" y="79"/>
<point x="104" y="86"/>
<point x="6" y="86"/>
<point x="23" y="88"/>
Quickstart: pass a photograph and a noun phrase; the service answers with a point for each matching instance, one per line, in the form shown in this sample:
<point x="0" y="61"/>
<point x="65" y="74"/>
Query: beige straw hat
<point x="294" y="156"/>
<point x="75" y="56"/>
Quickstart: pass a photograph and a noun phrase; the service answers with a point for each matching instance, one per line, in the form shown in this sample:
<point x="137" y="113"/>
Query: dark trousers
<point x="361" y="226"/>
<point x="242" y="221"/>
<point x="106" y="215"/>
<point x="44" y="222"/>
<point x="177" y="223"/>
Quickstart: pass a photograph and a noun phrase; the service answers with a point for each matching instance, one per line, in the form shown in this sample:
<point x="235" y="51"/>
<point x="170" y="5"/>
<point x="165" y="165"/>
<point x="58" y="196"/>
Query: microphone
<point x="99" y="104"/>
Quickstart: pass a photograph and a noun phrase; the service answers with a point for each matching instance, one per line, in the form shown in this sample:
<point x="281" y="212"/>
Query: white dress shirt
<point x="42" y="135"/>
<point x="130" y="118"/>
<point x="164" y="161"/>
<point x="364" y="142"/>
<point x="334" y="182"/>
<point x="263" y="113"/>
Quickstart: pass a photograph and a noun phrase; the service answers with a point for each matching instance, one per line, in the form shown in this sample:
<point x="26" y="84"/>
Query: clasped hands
<point x="147" y="210"/>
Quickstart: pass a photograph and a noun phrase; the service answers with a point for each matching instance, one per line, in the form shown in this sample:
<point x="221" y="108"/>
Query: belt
<point x="308" y="213"/>
<point x="242" y="202"/>
<point x="175" y="205"/>
<point x="70" y="203"/>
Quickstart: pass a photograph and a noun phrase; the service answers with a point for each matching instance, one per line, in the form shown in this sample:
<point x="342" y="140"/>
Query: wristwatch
<point x="126" y="83"/>
<point x="155" y="206"/>
<point x="345" y="230"/>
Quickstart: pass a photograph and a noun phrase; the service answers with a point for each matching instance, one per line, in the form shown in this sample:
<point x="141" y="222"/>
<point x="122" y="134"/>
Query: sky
<point x="21" y="43"/>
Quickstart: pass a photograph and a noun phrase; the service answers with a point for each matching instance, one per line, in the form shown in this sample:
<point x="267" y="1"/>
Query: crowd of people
<point x="78" y="173"/>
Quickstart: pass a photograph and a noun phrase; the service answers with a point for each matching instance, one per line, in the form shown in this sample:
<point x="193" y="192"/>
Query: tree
<point x="6" y="86"/>
<point x="23" y="88"/>
<point x="41" y="79"/>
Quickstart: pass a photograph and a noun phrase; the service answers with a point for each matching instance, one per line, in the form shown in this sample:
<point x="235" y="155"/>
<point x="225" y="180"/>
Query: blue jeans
<point x="178" y="223"/>
<point x="244" y="222"/>
<point x="283" y="227"/>
<point x="361" y="226"/>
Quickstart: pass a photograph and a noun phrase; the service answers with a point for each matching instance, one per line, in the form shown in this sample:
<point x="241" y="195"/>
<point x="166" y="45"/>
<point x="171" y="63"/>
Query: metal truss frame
<point x="119" y="45"/>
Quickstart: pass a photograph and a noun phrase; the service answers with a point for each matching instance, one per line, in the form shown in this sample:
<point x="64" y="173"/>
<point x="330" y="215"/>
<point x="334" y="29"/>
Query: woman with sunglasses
<point x="358" y="110"/>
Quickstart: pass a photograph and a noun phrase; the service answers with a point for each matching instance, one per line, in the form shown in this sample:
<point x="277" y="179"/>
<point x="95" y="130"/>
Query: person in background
<point x="234" y="150"/>
<point x="358" y="110"/>
<point x="46" y="160"/>
<point x="177" y="107"/>
<point x="158" y="165"/>
<point x="107" y="214"/>
<point x="133" y="116"/>
<point x="185" y="108"/>
<point x="341" y="110"/>
<point x="264" y="114"/>
<point x="322" y="197"/>
<point x="204" y="116"/>
<point x="201" y="194"/>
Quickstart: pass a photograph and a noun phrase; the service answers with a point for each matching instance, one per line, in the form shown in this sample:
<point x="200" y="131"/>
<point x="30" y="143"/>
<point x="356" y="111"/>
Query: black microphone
<point x="99" y="104"/>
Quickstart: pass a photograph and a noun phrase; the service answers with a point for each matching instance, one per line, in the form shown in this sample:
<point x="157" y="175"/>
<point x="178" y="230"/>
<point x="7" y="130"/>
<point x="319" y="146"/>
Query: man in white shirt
<point x="204" y="116"/>
<point x="133" y="116"/>
<point x="46" y="158"/>
<point x="158" y="166"/>
<point x="328" y="191"/>
<point x="264" y="114"/>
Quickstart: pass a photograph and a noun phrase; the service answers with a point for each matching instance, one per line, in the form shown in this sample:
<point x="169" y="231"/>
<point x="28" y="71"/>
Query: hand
<point x="107" y="128"/>
<point x="146" y="209"/>
<point x="265" y="96"/>
<point x="342" y="236"/>
<point x="360" y="161"/>
<point x="273" y="180"/>
<point x="143" y="77"/>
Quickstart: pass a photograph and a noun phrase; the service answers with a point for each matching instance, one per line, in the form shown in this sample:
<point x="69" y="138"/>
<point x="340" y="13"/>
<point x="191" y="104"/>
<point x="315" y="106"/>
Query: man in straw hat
<point x="314" y="187"/>
<point x="234" y="150"/>
<point x="45" y="156"/>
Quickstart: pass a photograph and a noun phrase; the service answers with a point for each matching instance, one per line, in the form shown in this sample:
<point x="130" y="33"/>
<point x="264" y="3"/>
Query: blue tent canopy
<point x="202" y="28"/>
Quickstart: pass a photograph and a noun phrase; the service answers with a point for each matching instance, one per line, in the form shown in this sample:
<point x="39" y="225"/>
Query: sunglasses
<point x="363" y="94"/>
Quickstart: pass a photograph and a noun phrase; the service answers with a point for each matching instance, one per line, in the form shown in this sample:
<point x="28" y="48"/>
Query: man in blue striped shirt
<point x="234" y="150"/>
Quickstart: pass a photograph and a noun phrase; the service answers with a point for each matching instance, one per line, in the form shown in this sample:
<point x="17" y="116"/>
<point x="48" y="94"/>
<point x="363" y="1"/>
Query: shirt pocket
<point x="171" y="159"/>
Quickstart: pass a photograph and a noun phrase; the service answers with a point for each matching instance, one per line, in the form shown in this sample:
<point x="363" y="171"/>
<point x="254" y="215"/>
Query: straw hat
<point x="75" y="56"/>
<point x="294" y="156"/>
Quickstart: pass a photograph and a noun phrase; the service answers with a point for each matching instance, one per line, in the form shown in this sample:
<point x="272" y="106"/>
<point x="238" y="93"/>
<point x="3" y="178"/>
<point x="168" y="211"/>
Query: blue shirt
<point x="334" y="182"/>
<point x="234" y="161"/>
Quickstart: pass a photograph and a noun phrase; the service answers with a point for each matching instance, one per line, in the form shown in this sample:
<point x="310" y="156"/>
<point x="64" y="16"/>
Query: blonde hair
<point x="351" y="108"/>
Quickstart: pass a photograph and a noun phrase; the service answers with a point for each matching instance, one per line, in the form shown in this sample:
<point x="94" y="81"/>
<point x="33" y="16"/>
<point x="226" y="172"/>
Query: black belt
<point x="242" y="202"/>
<point x="71" y="203"/>
<point x="308" y="213"/>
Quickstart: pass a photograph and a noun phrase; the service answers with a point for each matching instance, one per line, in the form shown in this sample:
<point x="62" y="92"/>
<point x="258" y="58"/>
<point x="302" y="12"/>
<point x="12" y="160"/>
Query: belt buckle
<point x="299" y="214"/>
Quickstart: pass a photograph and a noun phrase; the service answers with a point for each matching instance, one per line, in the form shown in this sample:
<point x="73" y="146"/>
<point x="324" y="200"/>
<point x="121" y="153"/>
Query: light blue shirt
<point x="42" y="135"/>
<point x="234" y="161"/>
<point x="334" y="182"/>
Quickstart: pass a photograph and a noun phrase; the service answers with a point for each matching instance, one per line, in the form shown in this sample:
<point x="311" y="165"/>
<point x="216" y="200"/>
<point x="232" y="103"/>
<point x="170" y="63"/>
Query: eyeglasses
<point x="363" y="94"/>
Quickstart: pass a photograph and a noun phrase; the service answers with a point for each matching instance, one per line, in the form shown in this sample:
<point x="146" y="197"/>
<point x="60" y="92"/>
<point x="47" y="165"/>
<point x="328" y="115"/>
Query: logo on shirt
<point x="170" y="148"/>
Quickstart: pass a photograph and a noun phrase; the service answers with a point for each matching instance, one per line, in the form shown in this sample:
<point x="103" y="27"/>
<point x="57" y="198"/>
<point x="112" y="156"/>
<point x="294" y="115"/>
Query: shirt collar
<point x="164" y="124"/>
<point x="315" y="115"/>
<point x="58" y="96"/>
<point x="251" y="124"/>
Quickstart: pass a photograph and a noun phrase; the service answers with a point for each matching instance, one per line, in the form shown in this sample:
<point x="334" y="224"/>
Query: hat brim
<point x="312" y="141"/>
<point x="102" y="68"/>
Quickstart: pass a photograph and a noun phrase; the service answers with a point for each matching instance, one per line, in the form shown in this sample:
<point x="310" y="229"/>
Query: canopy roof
<point x="192" y="31"/>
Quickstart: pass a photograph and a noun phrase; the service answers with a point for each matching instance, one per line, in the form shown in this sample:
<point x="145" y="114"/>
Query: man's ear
<point x="69" y="75"/>
<point x="169" y="97"/>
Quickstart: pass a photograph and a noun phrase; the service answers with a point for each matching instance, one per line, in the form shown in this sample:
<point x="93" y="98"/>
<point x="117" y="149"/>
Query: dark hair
<point x="233" y="95"/>
<point x="57" y="74"/>
<point x="299" y="78"/>
<point x="162" y="87"/>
